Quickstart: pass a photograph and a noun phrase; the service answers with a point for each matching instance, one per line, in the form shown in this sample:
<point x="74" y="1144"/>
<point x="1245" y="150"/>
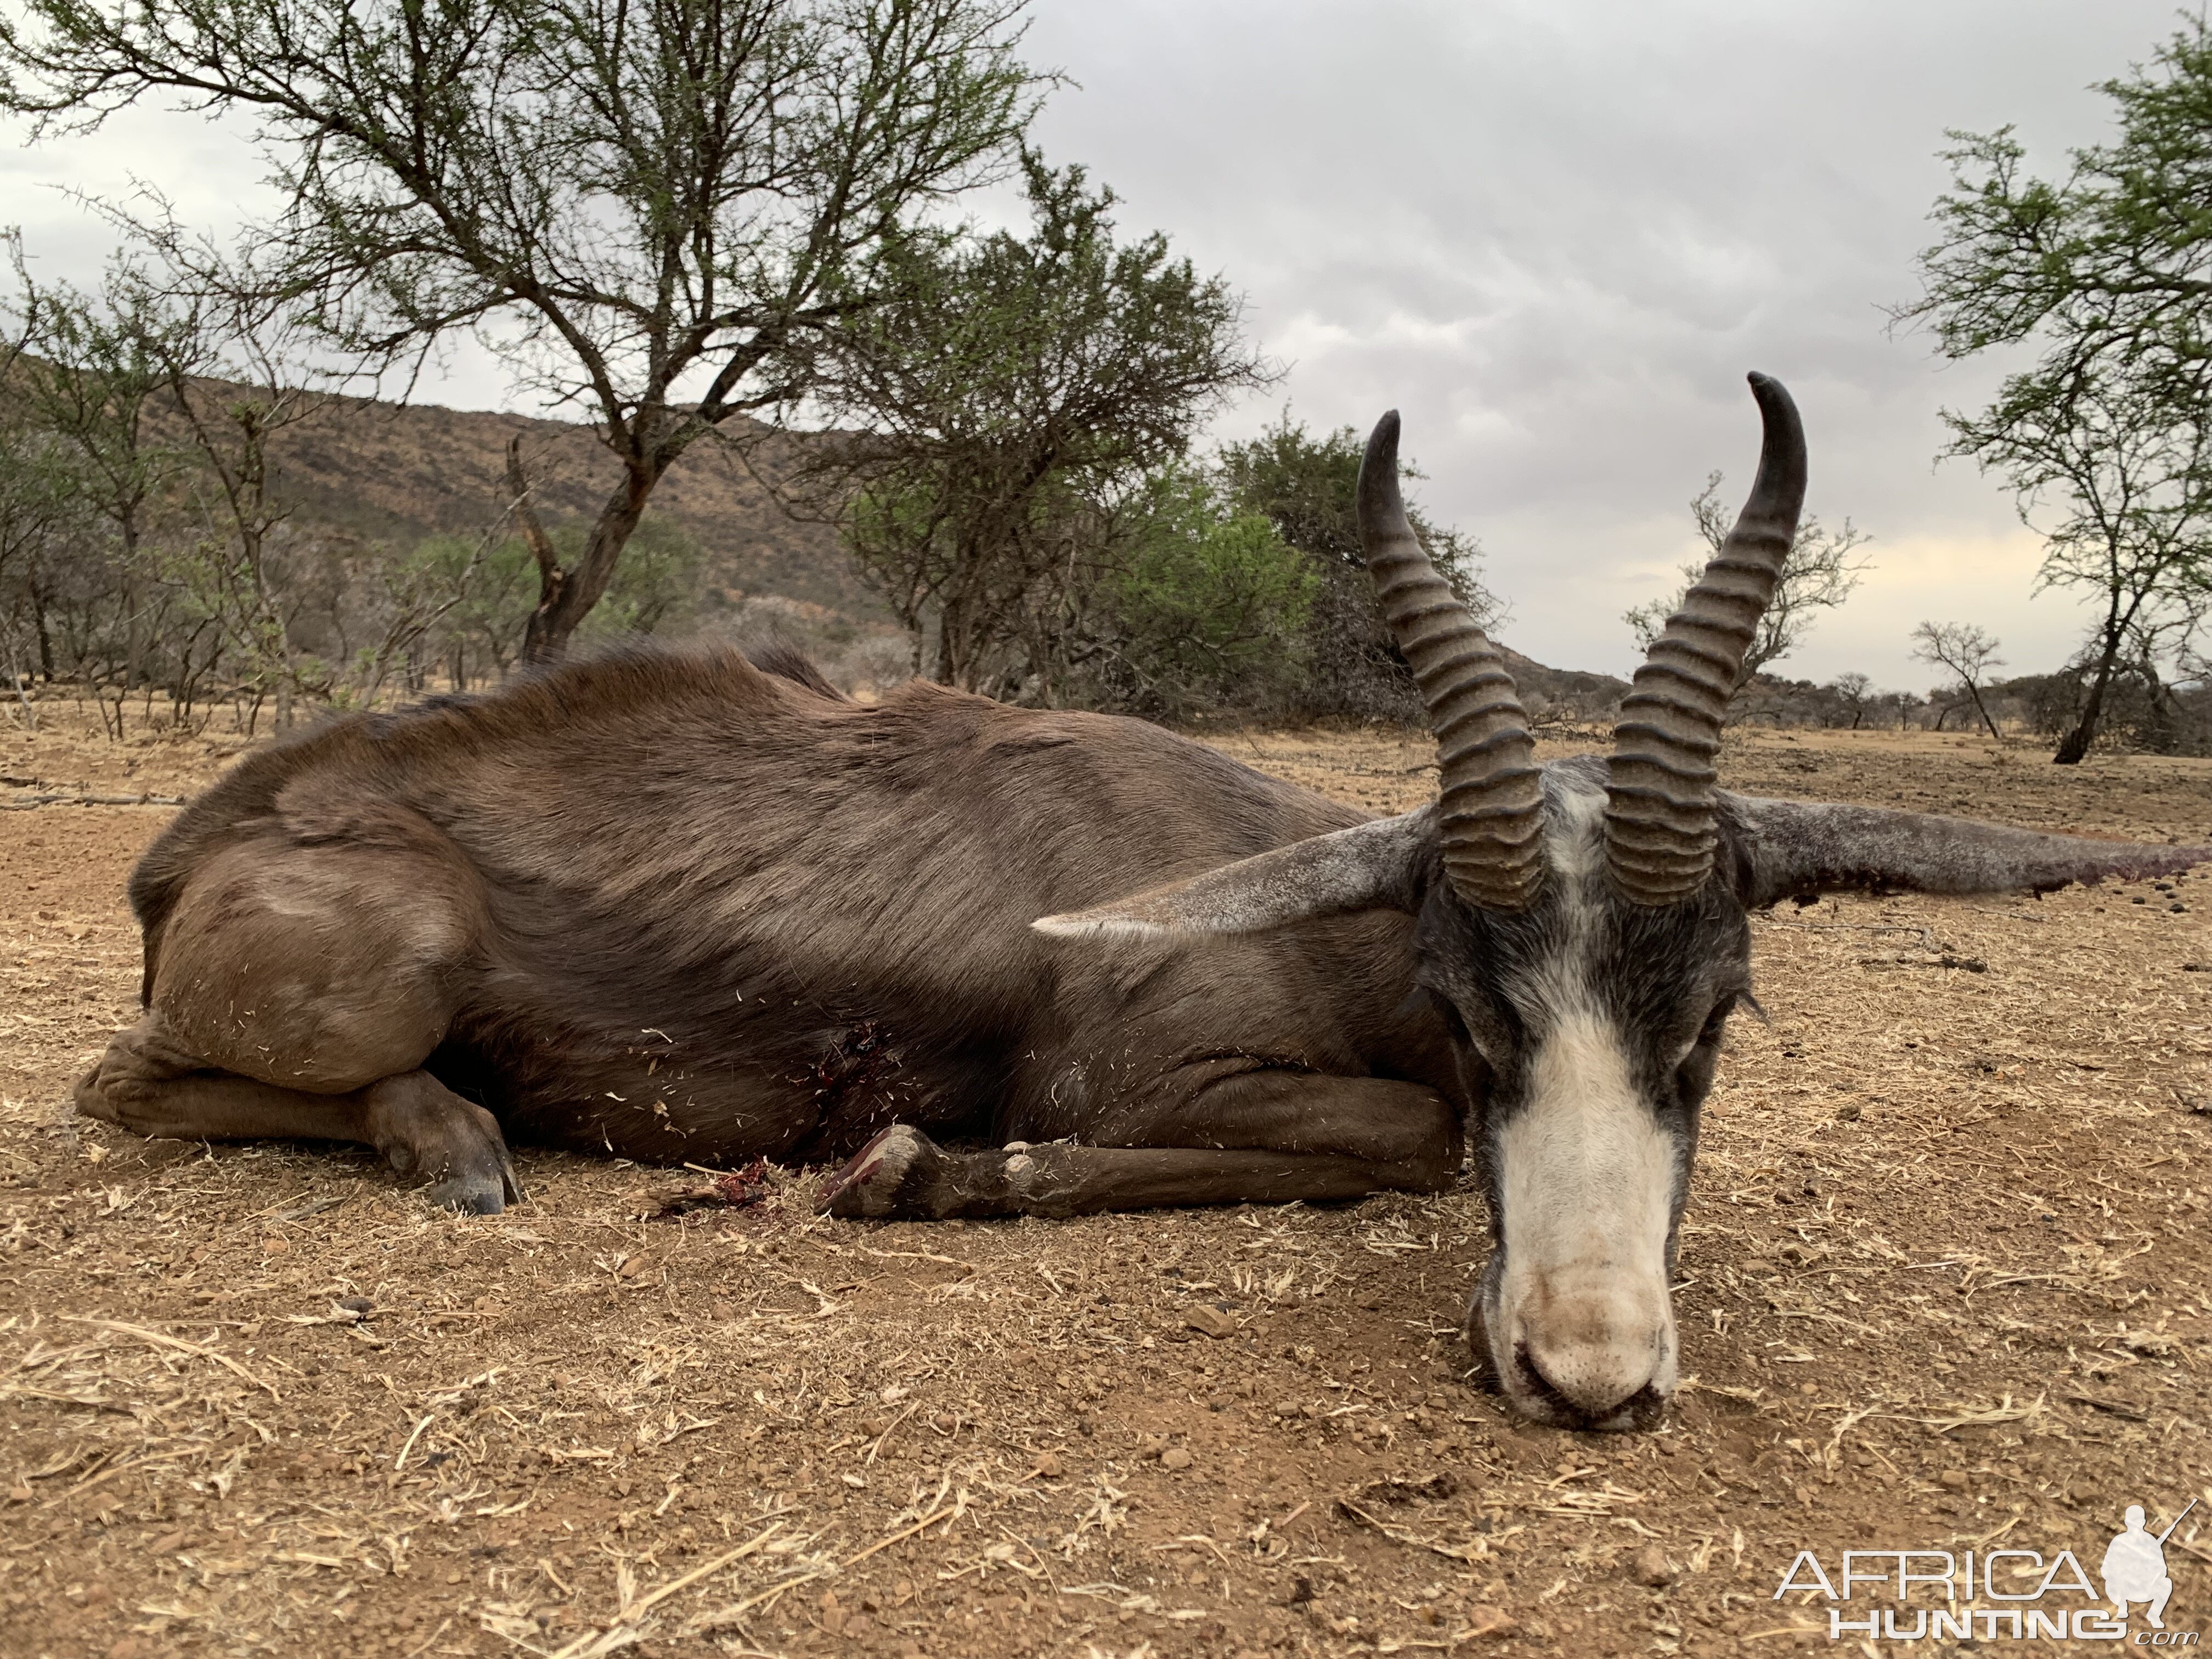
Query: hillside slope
<point x="398" y="472"/>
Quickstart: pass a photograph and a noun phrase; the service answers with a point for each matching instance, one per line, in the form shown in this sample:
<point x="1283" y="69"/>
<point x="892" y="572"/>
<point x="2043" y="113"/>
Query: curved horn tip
<point x="1382" y="441"/>
<point x="1380" y="503"/>
<point x="1776" y="405"/>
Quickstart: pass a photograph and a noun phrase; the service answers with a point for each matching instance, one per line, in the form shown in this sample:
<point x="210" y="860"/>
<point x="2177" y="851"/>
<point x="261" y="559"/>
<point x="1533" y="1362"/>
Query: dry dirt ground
<point x="1945" y="1284"/>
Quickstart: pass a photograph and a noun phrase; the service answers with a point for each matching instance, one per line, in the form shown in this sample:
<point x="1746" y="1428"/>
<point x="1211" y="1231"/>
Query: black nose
<point x="1640" y="1410"/>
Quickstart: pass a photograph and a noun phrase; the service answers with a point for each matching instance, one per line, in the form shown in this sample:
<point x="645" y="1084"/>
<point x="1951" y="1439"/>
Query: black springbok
<point x="698" y="907"/>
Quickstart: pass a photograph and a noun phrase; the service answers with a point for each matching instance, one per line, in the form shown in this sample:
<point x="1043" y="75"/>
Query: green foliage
<point x="494" y="587"/>
<point x="2106" y="272"/>
<point x="656" y="587"/>
<point x="1306" y="486"/>
<point x="1016" y="391"/>
<point x="2112" y="261"/>
<point x="1208" y="607"/>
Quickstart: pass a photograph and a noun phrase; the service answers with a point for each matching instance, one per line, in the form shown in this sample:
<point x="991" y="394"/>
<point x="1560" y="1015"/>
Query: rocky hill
<point x="402" y="471"/>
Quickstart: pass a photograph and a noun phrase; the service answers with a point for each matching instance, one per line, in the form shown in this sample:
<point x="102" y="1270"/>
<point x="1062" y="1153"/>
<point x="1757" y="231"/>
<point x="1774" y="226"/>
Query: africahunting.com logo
<point x="1999" y="1594"/>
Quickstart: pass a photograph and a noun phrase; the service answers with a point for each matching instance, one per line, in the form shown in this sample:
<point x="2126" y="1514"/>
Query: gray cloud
<point x="1555" y="235"/>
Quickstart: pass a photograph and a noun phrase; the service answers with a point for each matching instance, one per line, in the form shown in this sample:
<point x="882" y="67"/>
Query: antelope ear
<point x="1369" y="867"/>
<point x="1791" y="849"/>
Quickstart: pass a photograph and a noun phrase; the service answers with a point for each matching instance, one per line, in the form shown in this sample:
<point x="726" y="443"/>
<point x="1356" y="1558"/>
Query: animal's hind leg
<point x="148" y="1084"/>
<point x="297" y="985"/>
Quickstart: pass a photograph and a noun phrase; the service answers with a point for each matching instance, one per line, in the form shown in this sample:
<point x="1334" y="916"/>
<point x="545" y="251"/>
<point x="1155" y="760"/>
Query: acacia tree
<point x="1967" y="652"/>
<point x="1013" y="391"/>
<point x="1819" y="571"/>
<point x="657" y="210"/>
<point x="2130" y="519"/>
<point x="1307" y="485"/>
<point x="2107" y="272"/>
<point x="1853" y="690"/>
<point x="102" y="362"/>
<point x="2110" y="263"/>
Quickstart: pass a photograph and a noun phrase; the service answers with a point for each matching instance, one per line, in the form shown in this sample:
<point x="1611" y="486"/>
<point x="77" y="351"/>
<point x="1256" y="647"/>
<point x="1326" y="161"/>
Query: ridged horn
<point x="1489" y="818"/>
<point x="1661" y="820"/>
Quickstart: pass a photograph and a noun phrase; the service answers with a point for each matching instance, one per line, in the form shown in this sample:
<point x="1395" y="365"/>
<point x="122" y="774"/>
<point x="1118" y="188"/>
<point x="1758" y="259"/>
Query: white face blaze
<point x="1580" y="1321"/>
<point x="1587" y="1179"/>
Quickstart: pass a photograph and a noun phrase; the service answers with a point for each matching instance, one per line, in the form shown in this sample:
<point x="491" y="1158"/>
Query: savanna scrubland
<point x="1944" y="1285"/>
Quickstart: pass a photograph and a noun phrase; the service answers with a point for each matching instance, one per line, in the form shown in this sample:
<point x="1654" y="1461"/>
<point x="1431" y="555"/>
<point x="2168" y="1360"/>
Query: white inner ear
<point x="1330" y="875"/>
<point x="1097" y="924"/>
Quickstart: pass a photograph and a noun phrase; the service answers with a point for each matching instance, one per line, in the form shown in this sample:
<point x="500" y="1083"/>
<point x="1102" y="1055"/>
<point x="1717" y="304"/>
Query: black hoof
<point x="479" y="1191"/>
<point x="470" y="1195"/>
<point x="474" y="1178"/>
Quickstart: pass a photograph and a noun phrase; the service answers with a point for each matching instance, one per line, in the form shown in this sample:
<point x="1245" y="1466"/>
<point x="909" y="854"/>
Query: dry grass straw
<point x="259" y="1398"/>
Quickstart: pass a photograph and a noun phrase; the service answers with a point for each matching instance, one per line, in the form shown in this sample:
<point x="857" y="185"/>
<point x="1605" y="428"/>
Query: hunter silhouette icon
<point x="2135" y="1567"/>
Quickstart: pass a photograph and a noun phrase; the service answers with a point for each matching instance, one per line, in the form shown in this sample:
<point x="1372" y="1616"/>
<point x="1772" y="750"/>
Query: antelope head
<point x="1582" y="928"/>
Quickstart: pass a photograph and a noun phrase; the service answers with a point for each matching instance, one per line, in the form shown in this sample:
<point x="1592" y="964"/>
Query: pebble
<point x="1650" y="1568"/>
<point x="1485" y="1620"/>
<point x="1954" y="1480"/>
<point x="1176" y="1457"/>
<point x="1209" y="1321"/>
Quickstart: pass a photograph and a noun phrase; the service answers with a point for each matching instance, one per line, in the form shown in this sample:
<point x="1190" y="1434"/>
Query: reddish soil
<point x="1946" y="1281"/>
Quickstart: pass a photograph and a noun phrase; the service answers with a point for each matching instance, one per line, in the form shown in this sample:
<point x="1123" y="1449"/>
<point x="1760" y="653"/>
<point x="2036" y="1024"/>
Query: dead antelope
<point x="698" y="907"/>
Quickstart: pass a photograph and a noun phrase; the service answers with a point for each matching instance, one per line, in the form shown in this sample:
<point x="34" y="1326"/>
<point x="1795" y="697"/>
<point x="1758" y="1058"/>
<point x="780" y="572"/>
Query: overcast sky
<point x="1554" y="236"/>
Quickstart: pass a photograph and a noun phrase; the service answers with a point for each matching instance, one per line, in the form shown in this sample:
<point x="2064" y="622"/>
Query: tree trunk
<point x="133" y="627"/>
<point x="2160" y="733"/>
<point x="566" y="597"/>
<point x="2075" y="744"/>
<point x="38" y="621"/>
<point x="1975" y="692"/>
<point x="948" y="626"/>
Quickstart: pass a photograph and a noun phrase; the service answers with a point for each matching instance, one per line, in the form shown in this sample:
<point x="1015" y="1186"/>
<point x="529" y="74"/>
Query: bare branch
<point x="1967" y="652"/>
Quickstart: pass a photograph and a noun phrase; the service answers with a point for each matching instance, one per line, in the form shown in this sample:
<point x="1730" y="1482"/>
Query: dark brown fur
<point x="678" y="907"/>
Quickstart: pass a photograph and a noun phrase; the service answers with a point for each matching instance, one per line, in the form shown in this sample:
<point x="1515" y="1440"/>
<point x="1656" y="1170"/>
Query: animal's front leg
<point x="1261" y="1138"/>
<point x="904" y="1175"/>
